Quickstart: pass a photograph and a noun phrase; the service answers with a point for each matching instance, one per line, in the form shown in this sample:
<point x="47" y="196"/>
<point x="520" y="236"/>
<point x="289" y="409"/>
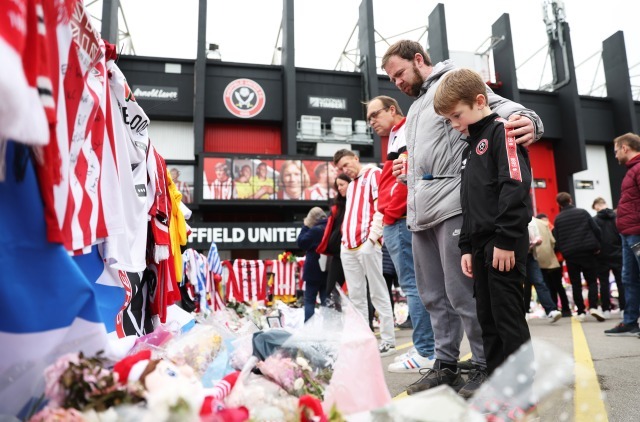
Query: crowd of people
<point x="452" y="206"/>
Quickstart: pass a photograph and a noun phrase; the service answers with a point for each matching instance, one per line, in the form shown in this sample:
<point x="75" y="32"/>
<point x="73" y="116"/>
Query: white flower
<point x="303" y="363"/>
<point x="298" y="384"/>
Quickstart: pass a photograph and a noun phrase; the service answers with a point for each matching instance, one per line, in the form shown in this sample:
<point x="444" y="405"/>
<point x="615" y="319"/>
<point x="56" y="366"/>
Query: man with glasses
<point x="386" y="118"/>
<point x="434" y="213"/>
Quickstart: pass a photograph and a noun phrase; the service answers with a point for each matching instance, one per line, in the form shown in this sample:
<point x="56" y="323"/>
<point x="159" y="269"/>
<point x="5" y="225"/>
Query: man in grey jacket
<point x="434" y="213"/>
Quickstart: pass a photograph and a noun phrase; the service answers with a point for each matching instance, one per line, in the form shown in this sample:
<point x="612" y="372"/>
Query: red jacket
<point x="392" y="196"/>
<point x="628" y="221"/>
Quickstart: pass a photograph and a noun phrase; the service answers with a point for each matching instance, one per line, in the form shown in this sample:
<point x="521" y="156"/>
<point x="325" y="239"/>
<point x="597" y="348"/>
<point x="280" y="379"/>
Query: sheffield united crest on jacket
<point x="244" y="98"/>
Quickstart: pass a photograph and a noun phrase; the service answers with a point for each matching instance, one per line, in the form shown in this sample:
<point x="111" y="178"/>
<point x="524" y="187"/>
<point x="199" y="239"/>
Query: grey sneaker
<point x="623" y="330"/>
<point x="435" y="377"/>
<point x="386" y="349"/>
<point x="476" y="377"/>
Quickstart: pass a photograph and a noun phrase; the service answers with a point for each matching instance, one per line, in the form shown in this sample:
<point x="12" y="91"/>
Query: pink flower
<point x="283" y="371"/>
<point x="58" y="414"/>
<point x="53" y="390"/>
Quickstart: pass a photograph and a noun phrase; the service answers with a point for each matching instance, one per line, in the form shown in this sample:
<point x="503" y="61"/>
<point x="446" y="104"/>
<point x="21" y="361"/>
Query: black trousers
<point x="499" y="303"/>
<point x="553" y="278"/>
<point x="335" y="273"/>
<point x="603" y="279"/>
<point x="588" y="266"/>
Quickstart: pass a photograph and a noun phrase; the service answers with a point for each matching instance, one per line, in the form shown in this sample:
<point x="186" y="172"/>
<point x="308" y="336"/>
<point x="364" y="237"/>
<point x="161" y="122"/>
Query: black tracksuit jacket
<point x="496" y="179"/>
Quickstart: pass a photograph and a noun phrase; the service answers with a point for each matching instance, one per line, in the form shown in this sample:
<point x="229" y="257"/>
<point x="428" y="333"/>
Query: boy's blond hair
<point x="459" y="85"/>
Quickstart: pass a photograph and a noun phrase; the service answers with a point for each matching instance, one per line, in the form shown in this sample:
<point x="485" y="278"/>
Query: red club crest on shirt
<point x="482" y="147"/>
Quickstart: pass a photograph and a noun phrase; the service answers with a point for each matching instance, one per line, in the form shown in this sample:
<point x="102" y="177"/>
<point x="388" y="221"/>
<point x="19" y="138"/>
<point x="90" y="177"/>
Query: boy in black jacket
<point x="610" y="256"/>
<point x="496" y="209"/>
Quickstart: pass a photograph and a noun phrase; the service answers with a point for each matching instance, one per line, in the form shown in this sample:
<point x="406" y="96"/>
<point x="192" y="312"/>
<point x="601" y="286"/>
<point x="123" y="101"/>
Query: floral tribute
<point x="287" y="257"/>
<point x="76" y="384"/>
<point x="295" y="375"/>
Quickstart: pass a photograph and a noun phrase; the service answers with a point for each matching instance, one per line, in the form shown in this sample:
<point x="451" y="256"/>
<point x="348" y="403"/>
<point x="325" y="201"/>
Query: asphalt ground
<point x="605" y="385"/>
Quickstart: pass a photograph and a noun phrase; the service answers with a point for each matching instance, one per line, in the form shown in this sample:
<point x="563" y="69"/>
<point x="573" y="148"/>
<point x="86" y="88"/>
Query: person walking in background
<point x="314" y="277"/>
<point x="330" y="244"/>
<point x="361" y="250"/>
<point x="534" y="277"/>
<point x="610" y="256"/>
<point x="627" y="150"/>
<point x="578" y="238"/>
<point x="433" y="206"/>
<point x="386" y="118"/>
<point x="389" y="273"/>
<point x="550" y="265"/>
<point x="496" y="211"/>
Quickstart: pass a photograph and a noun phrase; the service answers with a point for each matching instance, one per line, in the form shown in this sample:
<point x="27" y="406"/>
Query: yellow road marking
<point x="404" y="345"/>
<point x="377" y="333"/>
<point x="587" y="401"/>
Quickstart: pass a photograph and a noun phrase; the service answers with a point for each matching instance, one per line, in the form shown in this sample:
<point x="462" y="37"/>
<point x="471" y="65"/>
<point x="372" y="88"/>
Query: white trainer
<point x="412" y="365"/>
<point x="597" y="314"/>
<point x="386" y="349"/>
<point x="580" y="317"/>
<point x="607" y="314"/>
<point x="554" y="316"/>
<point x="406" y="355"/>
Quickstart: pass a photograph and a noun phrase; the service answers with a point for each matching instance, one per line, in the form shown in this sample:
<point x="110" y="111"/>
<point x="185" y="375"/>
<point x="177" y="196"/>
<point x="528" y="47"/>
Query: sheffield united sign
<point x="244" y="98"/>
<point x="279" y="236"/>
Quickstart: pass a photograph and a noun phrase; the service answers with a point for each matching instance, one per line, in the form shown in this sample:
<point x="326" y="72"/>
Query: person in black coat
<point x="330" y="245"/>
<point x="578" y="239"/>
<point x="315" y="278"/>
<point x="610" y="256"/>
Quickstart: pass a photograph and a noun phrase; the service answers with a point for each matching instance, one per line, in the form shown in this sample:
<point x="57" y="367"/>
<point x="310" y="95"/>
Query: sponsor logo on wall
<point x="147" y="92"/>
<point x="244" y="98"/>
<point x="328" y="102"/>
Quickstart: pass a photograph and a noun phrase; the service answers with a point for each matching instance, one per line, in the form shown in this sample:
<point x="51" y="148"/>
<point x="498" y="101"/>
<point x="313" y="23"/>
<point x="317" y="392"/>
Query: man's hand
<point x="398" y="164"/>
<point x="503" y="260"/>
<point x="368" y="247"/>
<point x="465" y="262"/>
<point x="522" y="129"/>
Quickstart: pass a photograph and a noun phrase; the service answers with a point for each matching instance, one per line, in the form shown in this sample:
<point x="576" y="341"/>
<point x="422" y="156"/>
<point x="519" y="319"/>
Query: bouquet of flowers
<point x="295" y="375"/>
<point x="76" y="384"/>
<point x="287" y="256"/>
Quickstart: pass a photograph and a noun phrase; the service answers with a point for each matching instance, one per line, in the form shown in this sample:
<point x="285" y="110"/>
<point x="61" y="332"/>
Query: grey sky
<point x="246" y="30"/>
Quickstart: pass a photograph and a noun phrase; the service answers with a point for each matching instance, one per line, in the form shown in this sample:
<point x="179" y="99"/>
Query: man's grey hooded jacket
<point x="435" y="149"/>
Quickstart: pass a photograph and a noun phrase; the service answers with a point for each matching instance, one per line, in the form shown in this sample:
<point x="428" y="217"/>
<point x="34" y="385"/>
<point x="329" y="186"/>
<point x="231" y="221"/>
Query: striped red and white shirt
<point x="248" y="281"/>
<point x="317" y="192"/>
<point x="361" y="218"/>
<point x="219" y="189"/>
<point x="284" y="278"/>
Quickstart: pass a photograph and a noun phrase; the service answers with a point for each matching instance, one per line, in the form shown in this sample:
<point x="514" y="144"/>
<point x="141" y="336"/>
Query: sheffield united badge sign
<point x="244" y="98"/>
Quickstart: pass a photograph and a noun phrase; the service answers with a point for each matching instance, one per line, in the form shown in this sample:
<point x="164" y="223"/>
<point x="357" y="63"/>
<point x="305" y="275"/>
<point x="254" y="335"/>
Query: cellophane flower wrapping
<point x="358" y="366"/>
<point x="537" y="373"/>
<point x="265" y="399"/>
<point x="196" y="348"/>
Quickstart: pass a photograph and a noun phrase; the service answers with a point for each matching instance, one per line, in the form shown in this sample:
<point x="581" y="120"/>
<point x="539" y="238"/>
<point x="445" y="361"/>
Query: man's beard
<point x="417" y="85"/>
